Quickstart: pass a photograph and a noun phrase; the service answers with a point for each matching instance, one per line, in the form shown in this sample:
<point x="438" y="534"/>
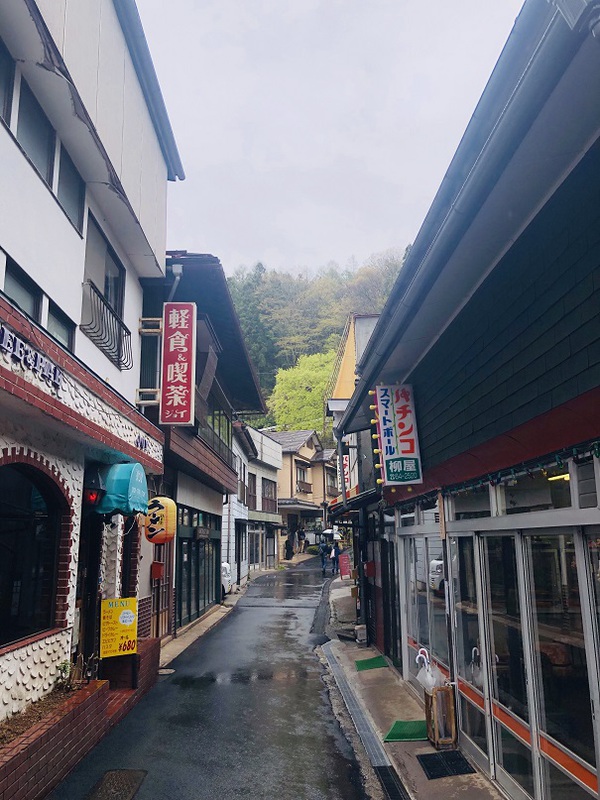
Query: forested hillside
<point x="293" y="323"/>
<point x="286" y="316"/>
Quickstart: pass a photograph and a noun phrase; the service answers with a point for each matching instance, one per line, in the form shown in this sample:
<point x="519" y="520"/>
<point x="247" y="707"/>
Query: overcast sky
<point x="315" y="130"/>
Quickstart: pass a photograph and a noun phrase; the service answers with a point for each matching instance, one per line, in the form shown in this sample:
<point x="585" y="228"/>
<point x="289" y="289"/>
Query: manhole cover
<point x="118" y="784"/>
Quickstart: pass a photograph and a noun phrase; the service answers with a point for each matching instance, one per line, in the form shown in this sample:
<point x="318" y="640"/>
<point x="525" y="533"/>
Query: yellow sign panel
<point x="118" y="627"/>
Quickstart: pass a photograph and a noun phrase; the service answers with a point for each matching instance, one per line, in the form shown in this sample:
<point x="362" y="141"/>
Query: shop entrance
<point x="87" y="600"/>
<point x="527" y="659"/>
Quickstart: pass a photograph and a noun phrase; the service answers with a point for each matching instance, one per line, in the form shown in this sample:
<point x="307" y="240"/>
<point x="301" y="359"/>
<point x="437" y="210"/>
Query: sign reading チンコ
<point x="397" y="428"/>
<point x="118" y="627"/>
<point x="178" y="384"/>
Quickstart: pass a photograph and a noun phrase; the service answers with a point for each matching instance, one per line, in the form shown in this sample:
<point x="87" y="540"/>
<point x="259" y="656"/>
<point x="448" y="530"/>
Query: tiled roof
<point x="291" y="441"/>
<point x="325" y="455"/>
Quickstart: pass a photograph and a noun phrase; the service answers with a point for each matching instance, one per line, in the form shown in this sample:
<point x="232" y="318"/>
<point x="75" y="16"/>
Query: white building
<point x="264" y="520"/>
<point x="86" y="151"/>
<point x="250" y="518"/>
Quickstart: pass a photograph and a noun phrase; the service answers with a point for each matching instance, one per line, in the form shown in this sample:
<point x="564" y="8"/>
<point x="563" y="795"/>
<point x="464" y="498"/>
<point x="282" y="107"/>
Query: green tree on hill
<point x="297" y="401"/>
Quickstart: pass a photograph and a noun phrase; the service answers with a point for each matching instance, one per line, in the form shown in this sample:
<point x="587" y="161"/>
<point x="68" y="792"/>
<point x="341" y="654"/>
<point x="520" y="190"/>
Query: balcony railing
<point x="303" y="487"/>
<point x="107" y="331"/>
<point x="332" y="491"/>
<point x="217" y="444"/>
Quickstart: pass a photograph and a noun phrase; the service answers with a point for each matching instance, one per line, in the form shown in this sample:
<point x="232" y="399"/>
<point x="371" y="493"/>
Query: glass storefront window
<point x="437" y="600"/>
<point x="468" y="645"/>
<point x="539" y="490"/>
<point x="506" y="634"/>
<point x="559" y="643"/>
<point x="473" y="504"/>
<point x="515" y="758"/>
<point x="561" y="787"/>
<point x="418" y="614"/>
<point x="472" y="722"/>
<point x="427" y="595"/>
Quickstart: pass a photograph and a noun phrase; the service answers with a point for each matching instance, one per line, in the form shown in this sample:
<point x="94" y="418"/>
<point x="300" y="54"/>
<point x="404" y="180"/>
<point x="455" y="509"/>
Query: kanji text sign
<point x="178" y="384"/>
<point x="398" y="441"/>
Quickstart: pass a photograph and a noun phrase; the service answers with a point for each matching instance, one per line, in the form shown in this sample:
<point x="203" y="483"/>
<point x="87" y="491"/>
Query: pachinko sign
<point x="178" y="384"/>
<point x="397" y="428"/>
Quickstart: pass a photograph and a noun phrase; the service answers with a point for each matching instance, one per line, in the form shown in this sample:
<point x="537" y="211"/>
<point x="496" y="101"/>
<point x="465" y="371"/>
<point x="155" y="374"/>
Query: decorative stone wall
<point x="30" y="671"/>
<point x="111" y="558"/>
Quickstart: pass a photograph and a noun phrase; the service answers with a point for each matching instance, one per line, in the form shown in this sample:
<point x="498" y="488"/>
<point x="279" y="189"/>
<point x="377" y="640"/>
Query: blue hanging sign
<point x="126" y="490"/>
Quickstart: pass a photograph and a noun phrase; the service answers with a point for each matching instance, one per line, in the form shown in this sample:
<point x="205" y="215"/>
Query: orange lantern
<point x="161" y="520"/>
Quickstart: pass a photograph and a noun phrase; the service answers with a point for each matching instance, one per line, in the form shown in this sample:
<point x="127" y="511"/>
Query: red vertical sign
<point x="344" y="565"/>
<point x="178" y="384"/>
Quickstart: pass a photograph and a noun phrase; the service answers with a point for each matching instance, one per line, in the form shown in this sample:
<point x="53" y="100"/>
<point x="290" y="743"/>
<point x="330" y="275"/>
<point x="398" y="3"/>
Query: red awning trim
<point x="555" y="431"/>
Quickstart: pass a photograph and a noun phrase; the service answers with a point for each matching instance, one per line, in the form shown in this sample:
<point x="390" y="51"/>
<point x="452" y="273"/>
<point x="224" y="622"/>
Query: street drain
<point x="165" y="671"/>
<point x="118" y="784"/>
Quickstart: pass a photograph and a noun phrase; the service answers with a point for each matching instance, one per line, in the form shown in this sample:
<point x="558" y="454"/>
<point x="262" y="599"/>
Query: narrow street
<point x="245" y="713"/>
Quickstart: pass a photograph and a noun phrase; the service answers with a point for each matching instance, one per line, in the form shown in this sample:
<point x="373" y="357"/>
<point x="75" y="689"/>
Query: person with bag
<point x="335" y="558"/>
<point x="324" y="551"/>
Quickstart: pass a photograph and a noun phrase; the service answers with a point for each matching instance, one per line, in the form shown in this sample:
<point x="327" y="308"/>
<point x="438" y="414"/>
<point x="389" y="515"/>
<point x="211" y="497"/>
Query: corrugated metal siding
<point x="529" y="339"/>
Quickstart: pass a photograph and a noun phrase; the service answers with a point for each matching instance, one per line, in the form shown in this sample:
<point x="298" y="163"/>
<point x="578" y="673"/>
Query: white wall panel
<point x="80" y="49"/>
<point x="54" y="12"/>
<point x="36" y="233"/>
<point x="112" y="57"/>
<point x="191" y="492"/>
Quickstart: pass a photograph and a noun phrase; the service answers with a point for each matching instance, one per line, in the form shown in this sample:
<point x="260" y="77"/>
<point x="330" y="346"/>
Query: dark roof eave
<point x="206" y="267"/>
<point x="471" y="172"/>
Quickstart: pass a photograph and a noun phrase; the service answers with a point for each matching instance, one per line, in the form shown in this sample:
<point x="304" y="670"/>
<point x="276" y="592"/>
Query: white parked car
<point x="226" y="582"/>
<point x="436" y="576"/>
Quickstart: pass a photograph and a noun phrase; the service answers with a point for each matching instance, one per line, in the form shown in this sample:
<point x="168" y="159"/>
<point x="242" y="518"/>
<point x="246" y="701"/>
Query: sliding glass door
<point x="526" y="610"/>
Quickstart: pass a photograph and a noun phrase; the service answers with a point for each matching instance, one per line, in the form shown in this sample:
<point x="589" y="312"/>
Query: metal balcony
<point x="106" y="330"/>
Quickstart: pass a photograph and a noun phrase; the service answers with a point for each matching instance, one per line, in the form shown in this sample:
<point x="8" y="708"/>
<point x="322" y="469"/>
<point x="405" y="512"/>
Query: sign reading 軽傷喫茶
<point x="398" y="440"/>
<point x="178" y="384"/>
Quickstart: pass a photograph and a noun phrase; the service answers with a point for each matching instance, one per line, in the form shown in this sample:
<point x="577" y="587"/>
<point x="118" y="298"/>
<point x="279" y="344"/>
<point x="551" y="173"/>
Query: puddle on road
<point x="284" y="675"/>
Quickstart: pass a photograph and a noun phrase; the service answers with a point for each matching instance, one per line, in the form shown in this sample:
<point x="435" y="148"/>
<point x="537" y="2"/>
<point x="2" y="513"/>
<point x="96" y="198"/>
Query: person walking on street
<point x="301" y="540"/>
<point x="324" y="551"/>
<point x="335" y="558"/>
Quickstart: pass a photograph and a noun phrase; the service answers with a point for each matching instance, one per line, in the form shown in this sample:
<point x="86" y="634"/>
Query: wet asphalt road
<point x="245" y="714"/>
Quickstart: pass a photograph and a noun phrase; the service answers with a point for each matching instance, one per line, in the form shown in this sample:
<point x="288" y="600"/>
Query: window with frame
<point x="60" y="326"/>
<point x="35" y="134"/>
<point x="7" y="76"/>
<point x="331" y="482"/>
<point x="301" y="474"/>
<point x="71" y="190"/>
<point x="29" y="539"/>
<point x="22" y="290"/>
<point x="269" y="495"/>
<point x="251" y="491"/>
<point x="103" y="268"/>
<point x="102" y="300"/>
<point x="214" y="428"/>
